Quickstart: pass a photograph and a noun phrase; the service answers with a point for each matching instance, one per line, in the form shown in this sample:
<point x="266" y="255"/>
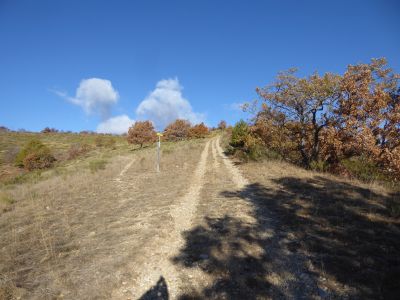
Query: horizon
<point x="100" y="66"/>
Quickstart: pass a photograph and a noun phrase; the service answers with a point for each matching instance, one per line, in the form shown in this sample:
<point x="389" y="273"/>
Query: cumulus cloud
<point x="95" y="96"/>
<point x="166" y="104"/>
<point x="116" y="125"/>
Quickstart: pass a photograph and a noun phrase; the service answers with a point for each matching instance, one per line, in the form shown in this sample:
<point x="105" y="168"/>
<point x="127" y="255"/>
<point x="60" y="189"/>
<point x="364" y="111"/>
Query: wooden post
<point x="159" y="134"/>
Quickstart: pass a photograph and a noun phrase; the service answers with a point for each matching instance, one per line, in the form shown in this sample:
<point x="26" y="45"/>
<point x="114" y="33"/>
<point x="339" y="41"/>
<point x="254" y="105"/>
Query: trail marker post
<point x="159" y="134"/>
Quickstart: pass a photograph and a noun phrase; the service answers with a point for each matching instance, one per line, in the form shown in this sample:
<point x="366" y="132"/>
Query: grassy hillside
<point x="59" y="144"/>
<point x="90" y="226"/>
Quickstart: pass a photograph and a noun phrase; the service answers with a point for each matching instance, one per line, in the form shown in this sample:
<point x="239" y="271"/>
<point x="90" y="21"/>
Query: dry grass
<point x="60" y="146"/>
<point x="289" y="233"/>
<point x="71" y="235"/>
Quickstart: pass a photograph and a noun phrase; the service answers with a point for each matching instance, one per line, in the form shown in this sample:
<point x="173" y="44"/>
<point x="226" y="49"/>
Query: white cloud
<point x="95" y="96"/>
<point x="166" y="104"/>
<point x="116" y="125"/>
<point x="238" y="106"/>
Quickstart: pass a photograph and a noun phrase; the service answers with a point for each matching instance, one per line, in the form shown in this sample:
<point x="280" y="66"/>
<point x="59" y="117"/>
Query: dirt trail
<point x="158" y="262"/>
<point x="237" y="177"/>
<point x="125" y="169"/>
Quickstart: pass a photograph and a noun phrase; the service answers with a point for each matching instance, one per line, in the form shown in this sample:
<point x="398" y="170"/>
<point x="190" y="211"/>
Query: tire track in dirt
<point x="237" y="177"/>
<point x="124" y="170"/>
<point x="214" y="154"/>
<point x="158" y="261"/>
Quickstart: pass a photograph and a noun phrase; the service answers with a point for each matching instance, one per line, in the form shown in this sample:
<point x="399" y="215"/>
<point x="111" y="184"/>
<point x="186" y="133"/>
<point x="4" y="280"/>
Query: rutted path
<point x="158" y="265"/>
<point x="158" y="262"/>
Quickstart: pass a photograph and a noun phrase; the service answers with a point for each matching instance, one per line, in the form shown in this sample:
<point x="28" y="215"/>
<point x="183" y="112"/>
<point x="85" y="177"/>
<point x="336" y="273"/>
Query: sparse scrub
<point x="105" y="141"/>
<point x="96" y="165"/>
<point x="35" y="155"/>
<point x="77" y="150"/>
<point x="10" y="155"/>
<point x="5" y="201"/>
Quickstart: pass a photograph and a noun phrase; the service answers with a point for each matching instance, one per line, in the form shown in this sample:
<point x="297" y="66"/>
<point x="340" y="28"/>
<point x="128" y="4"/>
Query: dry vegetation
<point x="70" y="235"/>
<point x="96" y="225"/>
<point x="331" y="122"/>
<point x="66" y="148"/>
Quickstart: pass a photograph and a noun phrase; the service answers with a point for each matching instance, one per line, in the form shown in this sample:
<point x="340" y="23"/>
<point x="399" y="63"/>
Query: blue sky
<point x="74" y="65"/>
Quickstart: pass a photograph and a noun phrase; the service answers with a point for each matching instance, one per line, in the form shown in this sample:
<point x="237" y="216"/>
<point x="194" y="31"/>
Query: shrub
<point x="35" y="155"/>
<point x="49" y="130"/>
<point x="4" y="129"/>
<point x="141" y="133"/>
<point x="319" y="165"/>
<point x="97" y="165"/>
<point x="100" y="141"/>
<point x="110" y="143"/>
<point x="178" y="130"/>
<point x="244" y="144"/>
<point x="363" y="169"/>
<point x="239" y="134"/>
<point x="77" y="150"/>
<point x="222" y="125"/>
<point x="105" y="141"/>
<point x="198" y="131"/>
<point x="38" y="160"/>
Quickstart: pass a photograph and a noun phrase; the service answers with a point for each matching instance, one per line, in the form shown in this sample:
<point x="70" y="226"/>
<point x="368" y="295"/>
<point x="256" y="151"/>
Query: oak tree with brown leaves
<point x="302" y="107"/>
<point x="198" y="131"/>
<point x="141" y="133"/>
<point x="177" y="130"/>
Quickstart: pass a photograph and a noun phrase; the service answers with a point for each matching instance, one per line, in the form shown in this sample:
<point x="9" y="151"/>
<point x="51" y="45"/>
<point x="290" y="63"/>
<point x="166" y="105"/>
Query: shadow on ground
<point x="312" y="238"/>
<point x="159" y="291"/>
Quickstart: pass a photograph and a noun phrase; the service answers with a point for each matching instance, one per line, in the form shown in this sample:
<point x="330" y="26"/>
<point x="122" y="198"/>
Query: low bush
<point x="77" y="150"/>
<point x="105" y="141"/>
<point x="49" y="130"/>
<point x="244" y="145"/>
<point x="6" y="198"/>
<point x="364" y="169"/>
<point x="198" y="131"/>
<point x="239" y="134"/>
<point x="222" y="125"/>
<point x="320" y="166"/>
<point x="5" y="202"/>
<point x="35" y="155"/>
<point x="96" y="165"/>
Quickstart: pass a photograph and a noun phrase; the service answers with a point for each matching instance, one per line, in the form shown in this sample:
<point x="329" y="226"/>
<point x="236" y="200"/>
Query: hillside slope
<point x="202" y="228"/>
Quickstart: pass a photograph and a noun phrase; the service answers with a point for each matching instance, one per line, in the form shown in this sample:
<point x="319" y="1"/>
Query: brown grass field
<point x="205" y="227"/>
